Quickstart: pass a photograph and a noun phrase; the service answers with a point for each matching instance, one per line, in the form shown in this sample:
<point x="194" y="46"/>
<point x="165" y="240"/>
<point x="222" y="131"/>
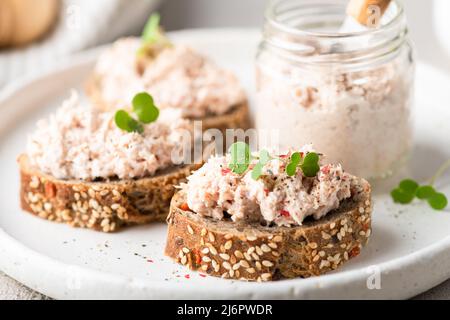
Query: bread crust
<point x="236" y="118"/>
<point x="257" y="253"/>
<point x="102" y="206"/>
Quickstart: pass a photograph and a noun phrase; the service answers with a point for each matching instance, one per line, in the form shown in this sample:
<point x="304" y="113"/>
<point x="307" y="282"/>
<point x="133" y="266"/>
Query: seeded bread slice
<point x="102" y="206"/>
<point x="236" y="118"/>
<point x="258" y="253"/>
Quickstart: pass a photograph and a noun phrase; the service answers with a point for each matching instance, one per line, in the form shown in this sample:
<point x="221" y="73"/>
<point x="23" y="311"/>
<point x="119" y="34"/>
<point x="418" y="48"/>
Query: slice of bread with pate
<point x="249" y="242"/>
<point x="176" y="76"/>
<point x="80" y="168"/>
<point x="236" y="117"/>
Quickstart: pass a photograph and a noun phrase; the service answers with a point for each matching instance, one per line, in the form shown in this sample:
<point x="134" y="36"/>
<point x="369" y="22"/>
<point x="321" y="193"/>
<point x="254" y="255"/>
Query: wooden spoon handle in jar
<point x="367" y="12"/>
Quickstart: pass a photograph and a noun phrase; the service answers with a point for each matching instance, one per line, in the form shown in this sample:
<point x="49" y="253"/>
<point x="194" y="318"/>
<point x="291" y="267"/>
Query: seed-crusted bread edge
<point x="102" y="206"/>
<point x="257" y="253"/>
<point x="236" y="118"/>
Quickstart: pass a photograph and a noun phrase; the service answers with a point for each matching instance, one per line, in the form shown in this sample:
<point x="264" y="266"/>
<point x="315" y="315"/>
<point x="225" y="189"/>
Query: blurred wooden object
<point x="24" y="21"/>
<point x="367" y="12"/>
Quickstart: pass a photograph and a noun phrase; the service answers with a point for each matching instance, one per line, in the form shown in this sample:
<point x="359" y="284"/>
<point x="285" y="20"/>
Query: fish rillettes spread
<point x="202" y="88"/>
<point x="78" y="142"/>
<point x="215" y="191"/>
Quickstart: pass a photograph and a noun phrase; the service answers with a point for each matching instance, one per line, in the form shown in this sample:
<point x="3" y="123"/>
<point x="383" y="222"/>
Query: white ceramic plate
<point x="410" y="245"/>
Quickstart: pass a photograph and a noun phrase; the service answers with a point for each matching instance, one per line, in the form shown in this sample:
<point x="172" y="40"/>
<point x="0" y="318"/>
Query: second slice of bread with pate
<point x="260" y="250"/>
<point x="177" y="76"/>
<point x="237" y="117"/>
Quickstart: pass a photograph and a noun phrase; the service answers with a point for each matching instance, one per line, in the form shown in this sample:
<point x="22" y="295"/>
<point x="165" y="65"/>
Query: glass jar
<point x="349" y="94"/>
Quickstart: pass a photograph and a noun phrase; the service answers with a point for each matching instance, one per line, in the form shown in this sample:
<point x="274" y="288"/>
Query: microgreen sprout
<point x="257" y="171"/>
<point x="240" y="157"/>
<point x="408" y="190"/>
<point x="295" y="160"/>
<point x="145" y="110"/>
<point x="152" y="31"/>
<point x="425" y="192"/>
<point x="264" y="158"/>
<point x="152" y="36"/>
<point x="125" y="122"/>
<point x="309" y="164"/>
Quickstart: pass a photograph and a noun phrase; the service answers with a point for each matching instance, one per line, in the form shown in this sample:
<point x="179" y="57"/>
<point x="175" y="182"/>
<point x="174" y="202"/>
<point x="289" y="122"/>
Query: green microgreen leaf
<point x="310" y="170"/>
<point x="409" y="186"/>
<point x="264" y="157"/>
<point x="257" y="171"/>
<point x="145" y="108"/>
<point x="151" y="31"/>
<point x="295" y="160"/>
<point x="240" y="157"/>
<point x="409" y="189"/>
<point x="310" y="165"/>
<point x="400" y="196"/>
<point x="153" y="38"/>
<point x="311" y="157"/>
<point x="125" y="122"/>
<point x="296" y="157"/>
<point x="122" y="120"/>
<point x="291" y="168"/>
<point x="425" y="192"/>
<point x="438" y="201"/>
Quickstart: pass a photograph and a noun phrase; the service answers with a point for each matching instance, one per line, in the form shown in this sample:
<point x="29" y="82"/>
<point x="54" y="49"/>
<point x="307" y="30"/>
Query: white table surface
<point x="217" y="13"/>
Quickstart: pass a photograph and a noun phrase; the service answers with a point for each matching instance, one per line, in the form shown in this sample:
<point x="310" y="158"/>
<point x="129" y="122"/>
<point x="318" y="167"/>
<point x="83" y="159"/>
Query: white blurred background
<point x="83" y="24"/>
<point x="429" y="21"/>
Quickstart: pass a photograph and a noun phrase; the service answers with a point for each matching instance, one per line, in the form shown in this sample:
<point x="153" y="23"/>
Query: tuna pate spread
<point x="275" y="198"/>
<point x="361" y="119"/>
<point x="202" y="88"/>
<point x="78" y="142"/>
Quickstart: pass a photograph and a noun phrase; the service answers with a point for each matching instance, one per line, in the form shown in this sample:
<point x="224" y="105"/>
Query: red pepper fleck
<point x="326" y="169"/>
<point x="226" y="171"/>
<point x="266" y="191"/>
<point x="354" y="252"/>
<point x="185" y="207"/>
<point x="365" y="227"/>
<point x="187" y="276"/>
<point x="50" y="190"/>
<point x="285" y="213"/>
<point x="202" y="275"/>
<point x="283" y="156"/>
<point x="150" y="260"/>
<point x="198" y="258"/>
